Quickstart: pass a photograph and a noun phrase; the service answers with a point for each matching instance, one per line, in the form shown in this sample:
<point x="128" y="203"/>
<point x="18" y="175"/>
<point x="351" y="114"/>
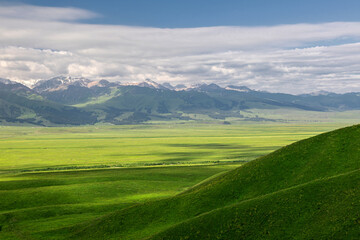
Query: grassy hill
<point x="305" y="190"/>
<point x="321" y="209"/>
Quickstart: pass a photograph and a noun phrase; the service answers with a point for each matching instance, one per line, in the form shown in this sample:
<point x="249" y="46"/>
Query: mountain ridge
<point x="129" y="103"/>
<point x="165" y="85"/>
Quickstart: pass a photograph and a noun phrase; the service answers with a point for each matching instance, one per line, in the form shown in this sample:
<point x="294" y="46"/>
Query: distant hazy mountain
<point x="59" y="83"/>
<point x="318" y="93"/>
<point x="67" y="90"/>
<point x="238" y="88"/>
<point x="150" y="84"/>
<point x="6" y="81"/>
<point x="20" y="104"/>
<point x="169" y="86"/>
<point x="67" y="100"/>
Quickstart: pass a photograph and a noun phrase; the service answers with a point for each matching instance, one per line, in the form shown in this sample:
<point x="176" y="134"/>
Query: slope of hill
<point x="305" y="190"/>
<point x="322" y="209"/>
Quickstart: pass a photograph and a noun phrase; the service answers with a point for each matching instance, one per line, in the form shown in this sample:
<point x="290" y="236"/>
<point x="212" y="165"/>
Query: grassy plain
<point x="36" y="148"/>
<point x="53" y="178"/>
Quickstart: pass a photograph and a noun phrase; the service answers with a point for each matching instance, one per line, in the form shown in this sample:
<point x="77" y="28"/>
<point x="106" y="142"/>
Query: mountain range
<point x="77" y="101"/>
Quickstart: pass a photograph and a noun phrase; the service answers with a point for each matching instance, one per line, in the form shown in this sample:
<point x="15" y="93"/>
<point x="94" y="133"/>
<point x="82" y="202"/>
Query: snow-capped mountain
<point x="60" y="83"/>
<point x="102" y="83"/>
<point x="168" y="86"/>
<point x="206" y="87"/>
<point x="150" y="84"/>
<point x="122" y="103"/>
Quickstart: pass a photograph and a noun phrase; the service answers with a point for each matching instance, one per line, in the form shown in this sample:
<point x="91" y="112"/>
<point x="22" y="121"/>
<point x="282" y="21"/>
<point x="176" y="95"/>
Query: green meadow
<point x="36" y="148"/>
<point x="54" y="178"/>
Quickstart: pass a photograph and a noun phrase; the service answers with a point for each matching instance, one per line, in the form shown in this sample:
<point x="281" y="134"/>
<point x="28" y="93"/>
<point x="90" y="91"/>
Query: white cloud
<point x="42" y="42"/>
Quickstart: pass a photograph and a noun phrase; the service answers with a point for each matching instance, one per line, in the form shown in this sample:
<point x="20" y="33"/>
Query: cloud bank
<point x="43" y="42"/>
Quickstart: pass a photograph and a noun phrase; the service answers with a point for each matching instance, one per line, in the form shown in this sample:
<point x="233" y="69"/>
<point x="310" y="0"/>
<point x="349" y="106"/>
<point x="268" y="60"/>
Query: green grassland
<point x="53" y="179"/>
<point x="298" y="116"/>
<point x="37" y="148"/>
<point x="33" y="203"/>
<point x="307" y="190"/>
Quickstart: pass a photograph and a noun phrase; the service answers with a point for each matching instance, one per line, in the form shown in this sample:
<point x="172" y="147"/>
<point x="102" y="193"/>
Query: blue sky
<point x="204" y="13"/>
<point x="277" y="46"/>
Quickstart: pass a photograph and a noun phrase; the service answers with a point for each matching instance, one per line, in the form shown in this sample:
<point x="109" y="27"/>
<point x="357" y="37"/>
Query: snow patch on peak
<point x="60" y="82"/>
<point x="238" y="88"/>
<point x="147" y="83"/>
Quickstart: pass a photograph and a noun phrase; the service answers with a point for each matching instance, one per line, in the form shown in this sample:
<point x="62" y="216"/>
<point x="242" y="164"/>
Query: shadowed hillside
<point x="305" y="190"/>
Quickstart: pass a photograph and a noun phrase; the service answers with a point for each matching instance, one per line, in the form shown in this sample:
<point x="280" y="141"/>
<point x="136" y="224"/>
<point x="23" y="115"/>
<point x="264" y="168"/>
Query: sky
<point x="276" y="46"/>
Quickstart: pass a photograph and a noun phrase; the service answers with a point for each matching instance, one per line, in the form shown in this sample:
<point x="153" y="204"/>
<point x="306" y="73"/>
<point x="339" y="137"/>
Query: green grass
<point x="25" y="148"/>
<point x="322" y="209"/>
<point x="32" y="203"/>
<point x="297" y="116"/>
<point x="57" y="180"/>
<point x="299" y="182"/>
